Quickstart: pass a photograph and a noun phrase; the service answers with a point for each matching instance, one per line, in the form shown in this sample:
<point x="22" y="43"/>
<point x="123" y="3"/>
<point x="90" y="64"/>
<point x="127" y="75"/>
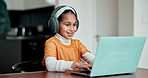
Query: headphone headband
<point x="60" y="11"/>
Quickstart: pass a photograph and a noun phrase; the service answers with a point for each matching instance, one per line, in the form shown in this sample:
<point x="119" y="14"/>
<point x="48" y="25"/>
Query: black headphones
<point x="53" y="23"/>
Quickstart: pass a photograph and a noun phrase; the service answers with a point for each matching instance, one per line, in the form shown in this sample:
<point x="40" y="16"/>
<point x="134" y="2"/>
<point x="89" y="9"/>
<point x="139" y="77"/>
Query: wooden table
<point x="141" y="73"/>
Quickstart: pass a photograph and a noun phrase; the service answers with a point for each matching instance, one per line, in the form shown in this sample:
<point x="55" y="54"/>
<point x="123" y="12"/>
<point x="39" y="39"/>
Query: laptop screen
<point x="117" y="55"/>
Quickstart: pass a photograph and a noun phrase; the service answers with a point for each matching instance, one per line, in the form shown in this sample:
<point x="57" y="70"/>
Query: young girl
<point x="61" y="51"/>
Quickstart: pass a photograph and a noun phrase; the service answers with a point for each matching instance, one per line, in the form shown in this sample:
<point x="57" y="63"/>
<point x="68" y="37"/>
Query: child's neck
<point x="62" y="39"/>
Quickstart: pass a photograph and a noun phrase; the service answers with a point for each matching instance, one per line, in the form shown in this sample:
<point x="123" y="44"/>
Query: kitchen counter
<point x="25" y="37"/>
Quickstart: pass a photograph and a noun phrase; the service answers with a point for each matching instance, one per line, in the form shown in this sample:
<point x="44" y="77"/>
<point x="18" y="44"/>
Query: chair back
<point x="28" y="66"/>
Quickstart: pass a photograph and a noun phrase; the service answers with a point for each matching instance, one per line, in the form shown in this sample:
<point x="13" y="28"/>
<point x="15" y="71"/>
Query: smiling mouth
<point x="70" y="34"/>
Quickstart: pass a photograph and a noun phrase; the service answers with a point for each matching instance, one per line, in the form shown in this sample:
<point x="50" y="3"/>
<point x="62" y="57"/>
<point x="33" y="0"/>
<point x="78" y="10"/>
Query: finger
<point x="88" y="69"/>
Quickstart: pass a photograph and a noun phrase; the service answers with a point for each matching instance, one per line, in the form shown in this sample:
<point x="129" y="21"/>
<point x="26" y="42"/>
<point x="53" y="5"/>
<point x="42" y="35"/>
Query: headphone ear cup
<point x="53" y="25"/>
<point x="77" y="23"/>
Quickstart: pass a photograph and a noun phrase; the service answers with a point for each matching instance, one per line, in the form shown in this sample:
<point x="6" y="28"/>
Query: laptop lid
<point x="117" y="55"/>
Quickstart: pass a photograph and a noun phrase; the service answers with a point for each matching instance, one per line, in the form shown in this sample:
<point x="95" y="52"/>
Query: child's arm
<point x="88" y="57"/>
<point x="52" y="64"/>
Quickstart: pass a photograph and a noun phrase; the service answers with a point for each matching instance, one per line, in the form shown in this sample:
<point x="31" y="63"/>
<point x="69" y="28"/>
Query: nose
<point x="72" y="28"/>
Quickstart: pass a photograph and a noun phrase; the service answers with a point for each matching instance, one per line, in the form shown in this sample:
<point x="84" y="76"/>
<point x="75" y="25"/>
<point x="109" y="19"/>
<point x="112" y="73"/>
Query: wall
<point x="141" y="27"/>
<point x="125" y="17"/>
<point x="107" y="17"/>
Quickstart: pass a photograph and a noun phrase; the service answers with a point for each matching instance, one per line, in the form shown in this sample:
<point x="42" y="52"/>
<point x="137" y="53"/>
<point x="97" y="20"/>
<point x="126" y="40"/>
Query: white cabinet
<point x="27" y="4"/>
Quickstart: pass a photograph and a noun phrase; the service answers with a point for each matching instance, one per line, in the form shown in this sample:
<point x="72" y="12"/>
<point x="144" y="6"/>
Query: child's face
<point x="68" y="25"/>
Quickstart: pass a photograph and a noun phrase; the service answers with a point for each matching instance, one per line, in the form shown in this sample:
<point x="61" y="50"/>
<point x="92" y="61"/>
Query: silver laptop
<point x="116" y="55"/>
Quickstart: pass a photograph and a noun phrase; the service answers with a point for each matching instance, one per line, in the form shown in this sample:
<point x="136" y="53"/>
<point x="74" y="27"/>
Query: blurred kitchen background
<point x="28" y="32"/>
<point x="29" y="17"/>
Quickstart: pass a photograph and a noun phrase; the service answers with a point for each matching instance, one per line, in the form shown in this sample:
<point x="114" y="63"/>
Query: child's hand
<point x="81" y="65"/>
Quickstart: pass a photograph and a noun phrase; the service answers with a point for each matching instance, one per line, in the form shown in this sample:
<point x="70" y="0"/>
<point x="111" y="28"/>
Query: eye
<point x="67" y="24"/>
<point x="74" y="24"/>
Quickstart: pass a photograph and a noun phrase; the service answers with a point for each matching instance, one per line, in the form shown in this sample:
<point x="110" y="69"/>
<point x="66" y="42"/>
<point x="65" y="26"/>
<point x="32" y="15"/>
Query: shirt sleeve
<point x="52" y="64"/>
<point x="82" y="48"/>
<point x="49" y="49"/>
<point x="88" y="57"/>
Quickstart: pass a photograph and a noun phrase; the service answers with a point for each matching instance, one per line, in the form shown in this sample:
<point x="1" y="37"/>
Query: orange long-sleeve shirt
<point x="72" y="52"/>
